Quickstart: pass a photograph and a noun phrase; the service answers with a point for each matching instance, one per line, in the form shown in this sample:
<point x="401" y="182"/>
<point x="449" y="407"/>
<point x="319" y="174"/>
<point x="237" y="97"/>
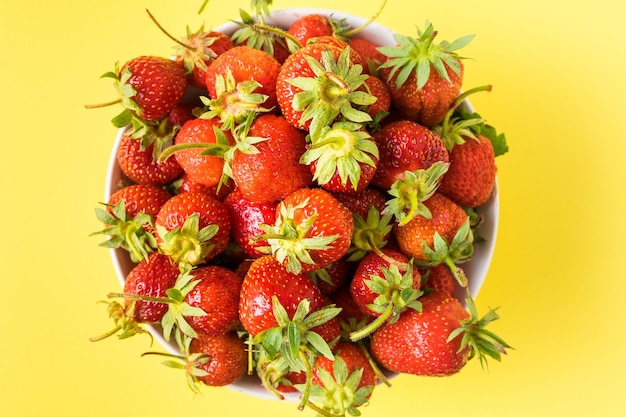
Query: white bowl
<point x="476" y="269"/>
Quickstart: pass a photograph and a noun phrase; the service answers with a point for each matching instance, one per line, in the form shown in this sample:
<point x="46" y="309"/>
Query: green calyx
<point x="419" y="55"/>
<point x="235" y="101"/>
<point x="253" y="32"/>
<point x="333" y="91"/>
<point x="188" y="245"/>
<point x="370" y="234"/>
<point x="341" y="148"/>
<point x="458" y="251"/>
<point x="124" y="319"/>
<point x="340" y="392"/>
<point x="395" y="294"/>
<point x="293" y="344"/>
<point x="126" y="233"/>
<point x="409" y="193"/>
<point x="475" y="337"/>
<point x="288" y="241"/>
<point x="196" y="50"/>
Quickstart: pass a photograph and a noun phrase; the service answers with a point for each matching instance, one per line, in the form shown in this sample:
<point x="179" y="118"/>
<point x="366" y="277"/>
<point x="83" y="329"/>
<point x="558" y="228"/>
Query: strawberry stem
<point x="279" y="32"/>
<point x="366" y="24"/>
<point x="184" y="45"/>
<point x="306" y="393"/>
<point x="109" y="103"/>
<point x="372" y="326"/>
<point x="373" y="363"/>
<point x="136" y="297"/>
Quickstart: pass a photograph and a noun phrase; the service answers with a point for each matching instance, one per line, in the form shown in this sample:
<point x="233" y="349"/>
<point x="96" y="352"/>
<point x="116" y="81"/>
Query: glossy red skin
<point x="368" y="50"/>
<point x="228" y="358"/>
<point x="471" y="176"/>
<point x="140" y="198"/>
<point x="246" y="64"/>
<point x="245" y="218"/>
<point x="417" y="342"/>
<point x="266" y="278"/>
<point x="275" y="171"/>
<point x="188" y="184"/>
<point x="139" y="164"/>
<point x="159" y="84"/>
<point x="217" y="293"/>
<point x="151" y="277"/>
<point x="428" y="105"/>
<point x="360" y="202"/>
<point x="378" y="88"/>
<point x="355" y="360"/>
<point x="310" y="26"/>
<point x="331" y="218"/>
<point x="182" y="112"/>
<point x="211" y="211"/>
<point x="221" y="44"/>
<point x="439" y="278"/>
<point x="405" y="145"/>
<point x="447" y="218"/>
<point x="349" y="309"/>
<point x="203" y="169"/>
<point x="339" y="272"/>
<point x="370" y="265"/>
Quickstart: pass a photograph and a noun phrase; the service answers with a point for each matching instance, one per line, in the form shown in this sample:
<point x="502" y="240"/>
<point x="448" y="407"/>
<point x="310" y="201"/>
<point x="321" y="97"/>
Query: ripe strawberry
<point x="256" y="36"/>
<point x="202" y="168"/>
<point x="359" y="203"/>
<point x="344" y="383"/>
<point x="151" y="277"/>
<point x="437" y="341"/>
<point x="192" y="228"/>
<point x="274" y="170"/>
<point x="220" y="191"/>
<point x="312" y="230"/>
<point x="333" y="276"/>
<point x="424" y="77"/>
<point x="438" y="278"/>
<point x="343" y="158"/>
<point x="369" y="51"/>
<point x="245" y="218"/>
<point x="245" y="64"/>
<point x="310" y="26"/>
<point x="319" y="83"/>
<point x="378" y="88"/>
<point x="222" y="359"/>
<point x="216" y="292"/>
<point x="139" y="165"/>
<point x="149" y="87"/>
<point x="405" y="146"/>
<point x="129" y="219"/>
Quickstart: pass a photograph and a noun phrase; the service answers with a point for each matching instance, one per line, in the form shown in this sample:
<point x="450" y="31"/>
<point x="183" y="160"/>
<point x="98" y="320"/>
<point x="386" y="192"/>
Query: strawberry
<point x="197" y="134"/>
<point x="333" y="276"/>
<point x="345" y="383"/>
<point x="445" y="237"/>
<point x="312" y="230"/>
<point x="220" y="191"/>
<point x="378" y="88"/>
<point x="384" y="285"/>
<point x="343" y="158"/>
<point x="254" y="34"/>
<point x="360" y="202"/>
<point x="216" y="292"/>
<point x="438" y="278"/>
<point x="151" y="277"/>
<point x="223" y="359"/>
<point x="369" y="51"/>
<point x="192" y="228"/>
<point x="139" y="165"/>
<point x="149" y="87"/>
<point x="437" y="341"/>
<point x="309" y="26"/>
<point x="403" y="146"/>
<point x="245" y="64"/>
<point x="319" y="83"/>
<point x="274" y="170"/>
<point x="129" y="219"/>
<point x="245" y="218"/>
<point x="424" y="77"/>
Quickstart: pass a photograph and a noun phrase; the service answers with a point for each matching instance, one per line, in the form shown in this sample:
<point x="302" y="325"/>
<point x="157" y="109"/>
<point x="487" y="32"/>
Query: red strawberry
<point x="256" y="36"/>
<point x="222" y="360"/>
<point x="193" y="228"/>
<point x="438" y="278"/>
<point x="220" y="191"/>
<point x="139" y="164"/>
<point x="424" y="77"/>
<point x="343" y="158"/>
<point x="310" y="26"/>
<point x="312" y="230"/>
<point x="129" y="219"/>
<point x="216" y="292"/>
<point x="369" y="51"/>
<point x="405" y="146"/>
<point x="378" y="88"/>
<point x="437" y="341"/>
<point x="359" y="203"/>
<point x="151" y="277"/>
<point x="344" y="383"/>
<point x="245" y="218"/>
<point x="245" y="64"/>
<point x="274" y="170"/>
<point x="149" y="87"/>
<point x="202" y="168"/>
<point x="319" y="83"/>
<point x="333" y="276"/>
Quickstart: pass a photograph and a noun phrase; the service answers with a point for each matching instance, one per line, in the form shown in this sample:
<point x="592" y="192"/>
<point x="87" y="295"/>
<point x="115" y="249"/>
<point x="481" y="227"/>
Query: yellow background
<point x="557" y="68"/>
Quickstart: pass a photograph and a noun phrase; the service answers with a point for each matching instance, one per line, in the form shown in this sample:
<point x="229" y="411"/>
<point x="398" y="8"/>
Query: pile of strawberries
<point x="297" y="203"/>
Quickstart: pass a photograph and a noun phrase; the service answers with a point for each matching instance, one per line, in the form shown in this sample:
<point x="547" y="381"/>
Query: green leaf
<point x="319" y="344"/>
<point x="272" y="340"/>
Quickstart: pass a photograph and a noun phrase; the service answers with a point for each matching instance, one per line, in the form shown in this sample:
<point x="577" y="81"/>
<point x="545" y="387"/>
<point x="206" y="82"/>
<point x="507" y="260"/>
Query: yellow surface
<point x="557" y="68"/>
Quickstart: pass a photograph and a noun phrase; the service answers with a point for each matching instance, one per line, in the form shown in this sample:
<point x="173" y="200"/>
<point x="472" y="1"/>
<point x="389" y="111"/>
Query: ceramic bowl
<point x="476" y="269"/>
